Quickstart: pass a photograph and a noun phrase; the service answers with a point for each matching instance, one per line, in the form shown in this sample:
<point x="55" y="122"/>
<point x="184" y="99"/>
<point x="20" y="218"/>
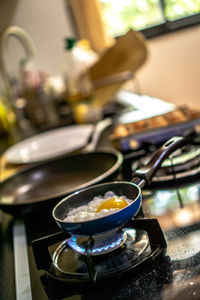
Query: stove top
<point x="172" y="275"/>
<point x="142" y="242"/>
<point x="58" y="272"/>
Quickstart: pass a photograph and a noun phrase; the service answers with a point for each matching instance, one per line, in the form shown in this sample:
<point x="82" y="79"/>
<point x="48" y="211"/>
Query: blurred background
<point x="168" y="69"/>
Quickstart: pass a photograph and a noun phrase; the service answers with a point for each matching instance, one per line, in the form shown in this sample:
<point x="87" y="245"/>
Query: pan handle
<point x="98" y="130"/>
<point x="145" y="174"/>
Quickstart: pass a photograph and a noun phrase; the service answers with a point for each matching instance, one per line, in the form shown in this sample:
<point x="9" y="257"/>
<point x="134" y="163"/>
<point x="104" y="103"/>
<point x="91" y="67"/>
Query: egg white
<point x="88" y="212"/>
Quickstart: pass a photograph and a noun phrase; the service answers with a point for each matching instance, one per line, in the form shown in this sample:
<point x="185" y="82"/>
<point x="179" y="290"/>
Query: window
<point x="100" y="21"/>
<point x="152" y="17"/>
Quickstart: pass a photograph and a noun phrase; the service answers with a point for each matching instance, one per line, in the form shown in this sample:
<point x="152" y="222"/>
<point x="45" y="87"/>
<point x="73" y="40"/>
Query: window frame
<point x="88" y="23"/>
<point x="171" y="26"/>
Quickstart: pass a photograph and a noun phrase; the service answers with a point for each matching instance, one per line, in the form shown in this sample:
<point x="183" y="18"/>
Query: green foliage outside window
<point x="122" y="15"/>
<point x="181" y="8"/>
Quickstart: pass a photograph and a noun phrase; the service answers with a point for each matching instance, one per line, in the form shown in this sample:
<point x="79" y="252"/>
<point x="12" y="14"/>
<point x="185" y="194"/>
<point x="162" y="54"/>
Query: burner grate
<point x="144" y="242"/>
<point x="182" y="165"/>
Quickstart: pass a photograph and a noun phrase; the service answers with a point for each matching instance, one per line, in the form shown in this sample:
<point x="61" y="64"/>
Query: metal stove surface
<point x="175" y="275"/>
<point x="172" y="276"/>
<point x="143" y="242"/>
<point x="178" y="212"/>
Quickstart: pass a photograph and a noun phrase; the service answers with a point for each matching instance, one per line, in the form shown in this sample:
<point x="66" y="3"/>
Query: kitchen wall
<point x="172" y="71"/>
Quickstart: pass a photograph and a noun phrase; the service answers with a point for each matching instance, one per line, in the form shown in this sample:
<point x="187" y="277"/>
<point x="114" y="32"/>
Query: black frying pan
<point x="46" y="183"/>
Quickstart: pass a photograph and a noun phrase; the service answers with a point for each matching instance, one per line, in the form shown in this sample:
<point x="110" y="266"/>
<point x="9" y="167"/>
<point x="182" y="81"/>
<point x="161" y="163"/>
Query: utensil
<point x="49" y="144"/>
<point x="131" y="190"/>
<point x="56" y="142"/>
<point x="116" y="65"/>
<point x="46" y="183"/>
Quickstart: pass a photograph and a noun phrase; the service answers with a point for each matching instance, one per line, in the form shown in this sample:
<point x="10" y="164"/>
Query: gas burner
<point x="139" y="242"/>
<point x="101" y="243"/>
<point x="135" y="247"/>
<point x="181" y="165"/>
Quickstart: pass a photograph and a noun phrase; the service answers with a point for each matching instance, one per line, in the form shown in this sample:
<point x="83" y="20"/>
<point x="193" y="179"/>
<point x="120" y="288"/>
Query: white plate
<point x="49" y="144"/>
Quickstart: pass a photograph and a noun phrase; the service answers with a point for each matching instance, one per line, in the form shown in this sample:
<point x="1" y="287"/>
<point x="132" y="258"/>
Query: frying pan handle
<point x="98" y="130"/>
<point x="147" y="172"/>
<point x="40" y="249"/>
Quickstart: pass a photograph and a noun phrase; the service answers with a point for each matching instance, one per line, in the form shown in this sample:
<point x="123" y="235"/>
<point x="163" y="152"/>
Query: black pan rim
<point x="93" y="187"/>
<point x="114" y="168"/>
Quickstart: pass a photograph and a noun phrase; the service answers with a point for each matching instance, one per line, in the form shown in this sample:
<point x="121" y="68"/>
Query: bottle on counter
<point x="77" y="59"/>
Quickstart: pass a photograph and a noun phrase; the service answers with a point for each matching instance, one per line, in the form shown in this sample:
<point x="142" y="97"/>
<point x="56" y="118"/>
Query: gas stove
<point x="156" y="255"/>
<point x="98" y="259"/>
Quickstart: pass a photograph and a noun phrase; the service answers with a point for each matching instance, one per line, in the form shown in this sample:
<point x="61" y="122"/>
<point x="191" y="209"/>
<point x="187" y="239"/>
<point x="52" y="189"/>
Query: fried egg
<point x="99" y="207"/>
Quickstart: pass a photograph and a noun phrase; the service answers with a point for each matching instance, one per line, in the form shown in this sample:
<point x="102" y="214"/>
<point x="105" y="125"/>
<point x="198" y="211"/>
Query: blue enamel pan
<point x="132" y="190"/>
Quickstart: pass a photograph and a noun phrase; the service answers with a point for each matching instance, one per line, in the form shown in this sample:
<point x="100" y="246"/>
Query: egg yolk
<point x="113" y="203"/>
